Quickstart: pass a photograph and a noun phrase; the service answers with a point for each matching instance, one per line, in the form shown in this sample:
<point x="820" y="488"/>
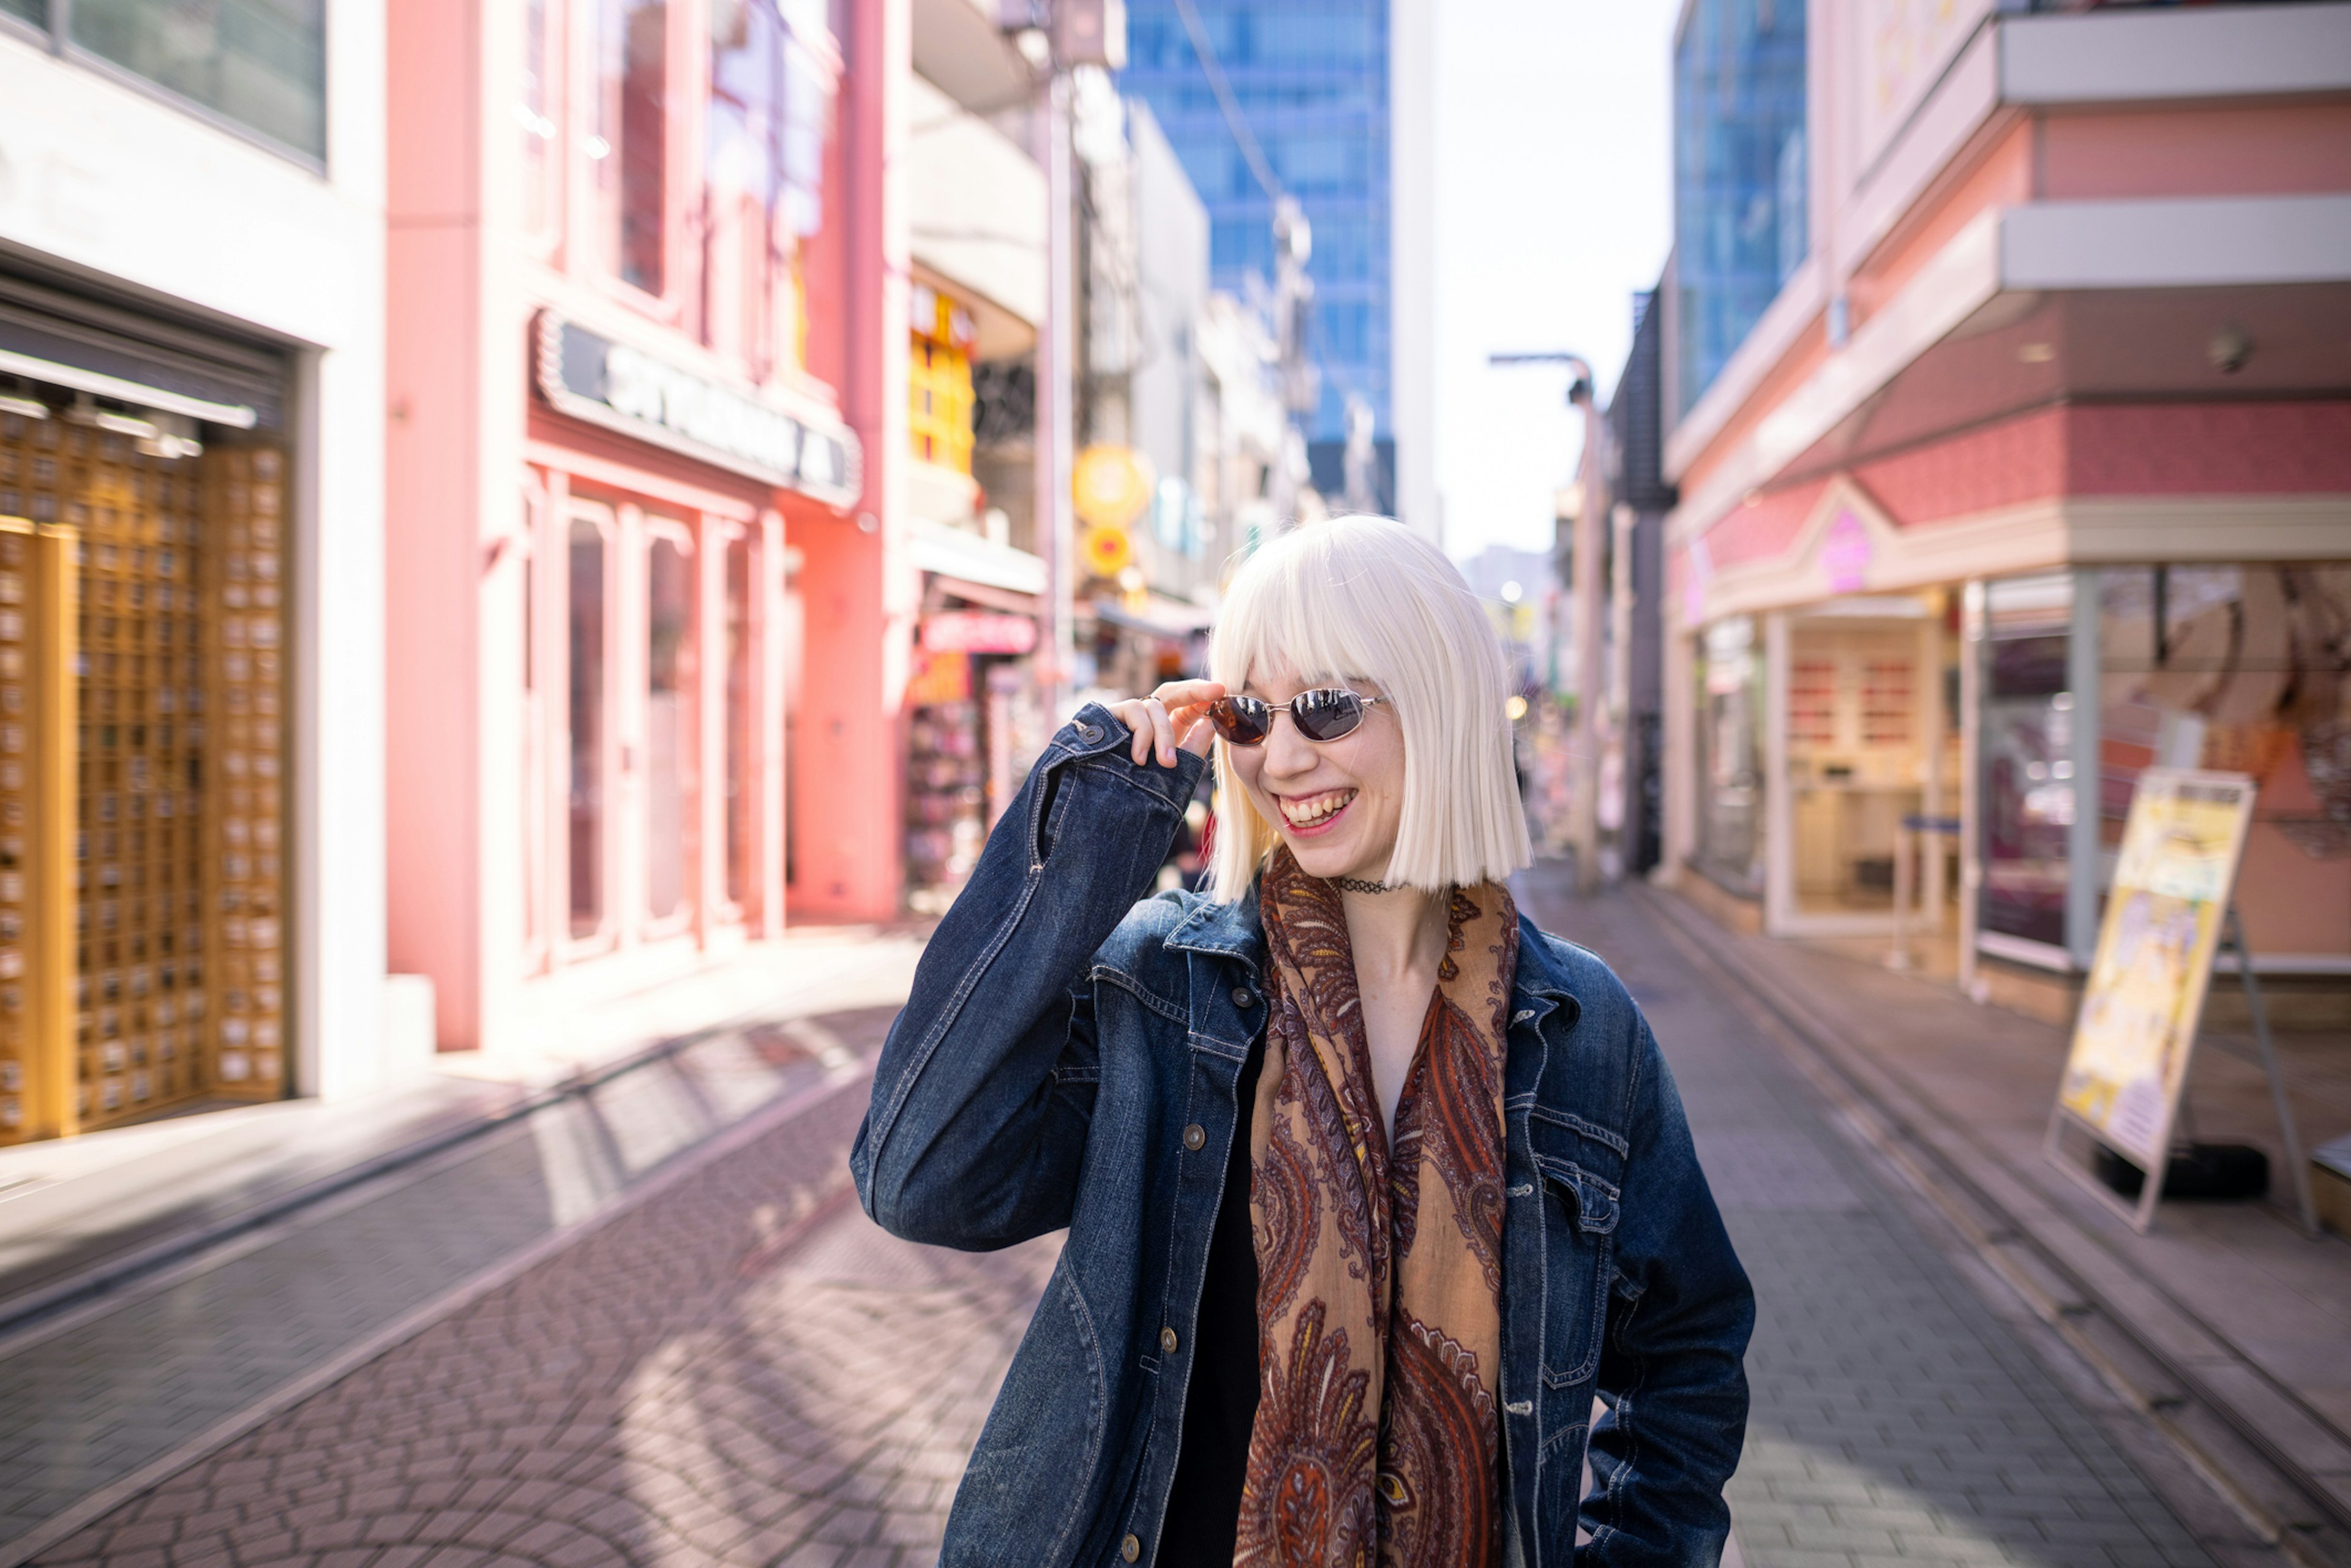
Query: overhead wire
<point x="1205" y="49"/>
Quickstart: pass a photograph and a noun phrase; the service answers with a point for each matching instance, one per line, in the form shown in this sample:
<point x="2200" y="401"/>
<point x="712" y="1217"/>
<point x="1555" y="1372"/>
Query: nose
<point x="1287" y="754"/>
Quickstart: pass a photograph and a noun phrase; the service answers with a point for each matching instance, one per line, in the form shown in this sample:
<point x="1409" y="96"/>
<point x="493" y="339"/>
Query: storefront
<point x="658" y="642"/>
<point x="2089" y="676"/>
<point x="191" y="499"/>
<point x="144" y="704"/>
<point x="976" y="717"/>
<point x="1969" y="746"/>
<point x="627" y="562"/>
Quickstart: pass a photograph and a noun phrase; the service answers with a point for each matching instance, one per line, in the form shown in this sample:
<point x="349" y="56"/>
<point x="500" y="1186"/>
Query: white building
<point x="191" y="418"/>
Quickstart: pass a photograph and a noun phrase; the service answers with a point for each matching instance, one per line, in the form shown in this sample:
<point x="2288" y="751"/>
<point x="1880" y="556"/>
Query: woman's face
<point x="1336" y="803"/>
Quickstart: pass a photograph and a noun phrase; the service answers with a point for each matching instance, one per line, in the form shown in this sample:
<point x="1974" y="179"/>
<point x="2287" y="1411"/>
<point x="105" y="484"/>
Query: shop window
<point x="741" y="724"/>
<point x="586" y="616"/>
<point x="773" y="75"/>
<point x="946" y="781"/>
<point x="2028" y="797"/>
<point x="535" y="112"/>
<point x="1855" y="749"/>
<point x="630" y="146"/>
<point x="1730" y="756"/>
<point x="261" y="64"/>
<point x="938" y="385"/>
<point x="669" y="723"/>
<point x="2244" y="669"/>
<point x="1740" y="174"/>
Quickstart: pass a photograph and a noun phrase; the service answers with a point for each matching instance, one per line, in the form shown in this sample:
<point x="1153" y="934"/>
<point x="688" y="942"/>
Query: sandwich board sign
<point x="2132" y="1039"/>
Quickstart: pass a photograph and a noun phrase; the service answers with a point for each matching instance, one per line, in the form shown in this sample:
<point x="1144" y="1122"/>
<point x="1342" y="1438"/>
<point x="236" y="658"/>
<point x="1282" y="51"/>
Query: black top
<point x="1204" y="1505"/>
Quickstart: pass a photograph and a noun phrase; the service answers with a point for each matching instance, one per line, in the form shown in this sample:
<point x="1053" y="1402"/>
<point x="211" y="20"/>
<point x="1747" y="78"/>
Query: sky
<point x="1553" y="206"/>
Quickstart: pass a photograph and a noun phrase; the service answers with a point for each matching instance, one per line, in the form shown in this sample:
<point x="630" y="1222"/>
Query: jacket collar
<point x="1541" y="983"/>
<point x="1234" y="930"/>
<point x="1227" y="930"/>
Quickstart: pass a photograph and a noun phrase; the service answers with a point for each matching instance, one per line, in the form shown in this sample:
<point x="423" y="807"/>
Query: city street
<point x="735" y="1367"/>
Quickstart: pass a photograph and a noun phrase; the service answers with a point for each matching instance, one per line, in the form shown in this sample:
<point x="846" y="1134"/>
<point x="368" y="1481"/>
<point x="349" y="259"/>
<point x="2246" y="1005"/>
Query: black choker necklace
<point x="1357" y="884"/>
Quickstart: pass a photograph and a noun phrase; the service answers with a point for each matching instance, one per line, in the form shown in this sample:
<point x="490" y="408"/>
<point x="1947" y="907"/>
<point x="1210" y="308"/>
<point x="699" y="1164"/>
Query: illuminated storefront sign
<point x="976" y="631"/>
<point x="623" y="388"/>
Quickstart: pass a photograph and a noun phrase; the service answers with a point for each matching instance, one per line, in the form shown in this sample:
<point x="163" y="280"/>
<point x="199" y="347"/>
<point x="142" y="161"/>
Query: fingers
<point x="1187" y="694"/>
<point x="1198" y="734"/>
<point x="1188" y="704"/>
<point x="1163" y="732"/>
<point x="1172" y="717"/>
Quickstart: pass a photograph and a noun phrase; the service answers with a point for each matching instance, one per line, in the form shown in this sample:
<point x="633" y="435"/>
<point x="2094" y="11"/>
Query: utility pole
<point x="1293" y="304"/>
<point x="1057" y="398"/>
<point x="1585" y="592"/>
<point x="1056" y="36"/>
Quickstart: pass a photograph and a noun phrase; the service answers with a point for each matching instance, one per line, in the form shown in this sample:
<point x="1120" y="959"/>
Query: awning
<point x="1175" y="620"/>
<point x="951" y="552"/>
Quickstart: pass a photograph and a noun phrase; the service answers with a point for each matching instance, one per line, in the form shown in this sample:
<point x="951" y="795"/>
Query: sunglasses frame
<point x="1290" y="707"/>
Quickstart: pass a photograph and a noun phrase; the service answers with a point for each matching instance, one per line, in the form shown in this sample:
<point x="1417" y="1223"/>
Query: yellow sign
<point x="1113" y="486"/>
<point x="2145" y="991"/>
<point x="1107" y="550"/>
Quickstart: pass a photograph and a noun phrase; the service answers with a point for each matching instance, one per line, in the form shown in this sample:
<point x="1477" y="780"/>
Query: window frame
<point x="605" y="515"/>
<point x="721" y="910"/>
<point x="54" y="34"/>
<point x="680" y="532"/>
<point x="589" y="207"/>
<point x="549" y="242"/>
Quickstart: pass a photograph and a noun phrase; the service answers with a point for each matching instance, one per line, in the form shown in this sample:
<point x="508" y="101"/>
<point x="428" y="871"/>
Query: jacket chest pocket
<point x="1580" y="1210"/>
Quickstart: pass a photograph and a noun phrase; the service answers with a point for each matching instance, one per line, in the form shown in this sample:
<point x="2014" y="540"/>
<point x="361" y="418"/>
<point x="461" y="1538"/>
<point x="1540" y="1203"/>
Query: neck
<point x="1396" y="933"/>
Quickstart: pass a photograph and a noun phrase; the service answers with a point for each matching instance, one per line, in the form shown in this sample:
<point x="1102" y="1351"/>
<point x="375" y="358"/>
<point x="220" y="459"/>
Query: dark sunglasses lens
<point x="1327" y="715"/>
<point x="1244" y="721"/>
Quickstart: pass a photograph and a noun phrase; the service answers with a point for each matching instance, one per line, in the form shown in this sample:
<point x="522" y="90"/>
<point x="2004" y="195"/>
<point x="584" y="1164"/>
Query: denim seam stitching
<point x="1156" y="796"/>
<point x="1093" y="1340"/>
<point x="949" y="1014"/>
<point x="1575" y="1124"/>
<point x="1140" y="993"/>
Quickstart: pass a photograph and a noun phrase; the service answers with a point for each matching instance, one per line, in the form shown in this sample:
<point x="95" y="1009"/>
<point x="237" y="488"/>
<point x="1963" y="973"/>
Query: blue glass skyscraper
<point x="1310" y="78"/>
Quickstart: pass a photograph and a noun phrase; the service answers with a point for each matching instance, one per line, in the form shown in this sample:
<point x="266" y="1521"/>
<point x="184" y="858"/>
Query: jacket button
<point x="1089" y="733"/>
<point x="1167" y="1341"/>
<point x="1130" y="1549"/>
<point x="1243" y="998"/>
<point x="1195" y="1135"/>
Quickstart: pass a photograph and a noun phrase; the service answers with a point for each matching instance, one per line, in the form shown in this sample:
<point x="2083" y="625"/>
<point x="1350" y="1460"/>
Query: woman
<point x="1370" y="1185"/>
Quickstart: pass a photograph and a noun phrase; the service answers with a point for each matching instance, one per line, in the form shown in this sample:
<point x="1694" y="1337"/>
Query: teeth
<point x="1306" y="812"/>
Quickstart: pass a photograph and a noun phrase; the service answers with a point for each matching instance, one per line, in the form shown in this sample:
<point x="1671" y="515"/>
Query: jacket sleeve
<point x="1672" y="1370"/>
<point x="986" y="1085"/>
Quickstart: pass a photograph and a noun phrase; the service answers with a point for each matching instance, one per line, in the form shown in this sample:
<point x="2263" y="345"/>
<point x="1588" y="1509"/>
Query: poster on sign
<point x="2134" y="1036"/>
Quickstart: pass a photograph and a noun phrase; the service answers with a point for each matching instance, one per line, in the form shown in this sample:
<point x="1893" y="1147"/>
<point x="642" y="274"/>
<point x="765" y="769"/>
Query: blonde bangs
<point x="1365" y="598"/>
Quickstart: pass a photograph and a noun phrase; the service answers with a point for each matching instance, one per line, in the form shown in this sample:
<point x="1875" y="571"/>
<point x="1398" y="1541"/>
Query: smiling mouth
<point x="1314" y="813"/>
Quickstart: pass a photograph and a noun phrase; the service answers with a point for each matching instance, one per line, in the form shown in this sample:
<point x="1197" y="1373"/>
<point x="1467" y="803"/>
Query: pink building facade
<point x="2011" y="417"/>
<point x="647" y="317"/>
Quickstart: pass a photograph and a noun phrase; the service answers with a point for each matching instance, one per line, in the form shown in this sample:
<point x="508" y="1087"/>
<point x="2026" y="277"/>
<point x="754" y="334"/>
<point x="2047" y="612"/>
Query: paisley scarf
<point x="1379" y="1262"/>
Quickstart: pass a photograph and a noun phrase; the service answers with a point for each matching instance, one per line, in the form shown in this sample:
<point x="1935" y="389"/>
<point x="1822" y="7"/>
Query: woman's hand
<point x="1176" y="715"/>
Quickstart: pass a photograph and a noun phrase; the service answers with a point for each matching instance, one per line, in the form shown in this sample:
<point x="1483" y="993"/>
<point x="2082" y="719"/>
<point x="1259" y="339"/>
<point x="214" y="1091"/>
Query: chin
<point x="1326" y="860"/>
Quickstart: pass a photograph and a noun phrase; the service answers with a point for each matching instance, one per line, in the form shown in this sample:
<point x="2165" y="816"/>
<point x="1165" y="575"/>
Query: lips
<point x="1312" y="813"/>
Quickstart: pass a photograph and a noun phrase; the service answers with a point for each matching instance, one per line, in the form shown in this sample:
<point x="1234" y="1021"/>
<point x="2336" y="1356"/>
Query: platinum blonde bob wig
<point x="1358" y="599"/>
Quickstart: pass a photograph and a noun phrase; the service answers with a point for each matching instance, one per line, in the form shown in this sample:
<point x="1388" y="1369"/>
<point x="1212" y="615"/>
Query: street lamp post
<point x="1584" y="590"/>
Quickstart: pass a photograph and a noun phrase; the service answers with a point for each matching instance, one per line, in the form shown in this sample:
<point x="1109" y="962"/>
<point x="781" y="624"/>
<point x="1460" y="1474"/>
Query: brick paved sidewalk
<point x="743" y="1370"/>
<point x="1896" y="1420"/>
<point x="90" y="1401"/>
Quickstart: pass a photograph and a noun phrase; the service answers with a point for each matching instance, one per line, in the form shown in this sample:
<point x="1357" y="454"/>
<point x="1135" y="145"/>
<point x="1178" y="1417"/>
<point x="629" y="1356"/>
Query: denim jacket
<point x="1067" y="1058"/>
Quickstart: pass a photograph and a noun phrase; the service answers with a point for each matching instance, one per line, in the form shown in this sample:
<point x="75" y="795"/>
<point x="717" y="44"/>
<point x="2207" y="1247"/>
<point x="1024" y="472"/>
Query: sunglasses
<point x="1328" y="714"/>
